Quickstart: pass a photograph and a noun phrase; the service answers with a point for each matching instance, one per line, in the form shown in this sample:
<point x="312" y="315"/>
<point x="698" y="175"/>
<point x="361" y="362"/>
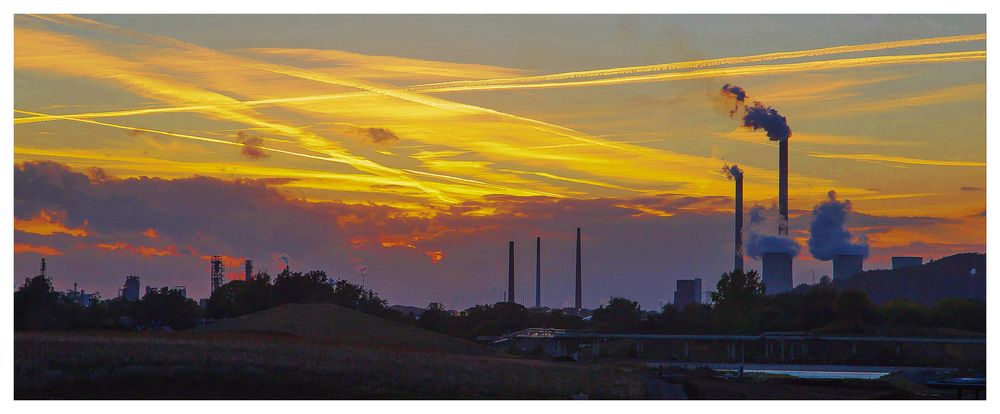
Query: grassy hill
<point x="339" y="325"/>
<point x="949" y="277"/>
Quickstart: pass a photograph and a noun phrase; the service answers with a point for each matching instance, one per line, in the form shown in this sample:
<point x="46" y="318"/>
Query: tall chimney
<point x="510" y="273"/>
<point x="43" y="266"/>
<point x="739" y="222"/>
<point x="579" y="274"/>
<point x="538" y="272"/>
<point x="783" y="186"/>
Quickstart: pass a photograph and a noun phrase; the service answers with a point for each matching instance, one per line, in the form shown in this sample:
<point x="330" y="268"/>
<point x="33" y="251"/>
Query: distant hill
<point x="949" y="277"/>
<point x="337" y="324"/>
<point x="405" y="310"/>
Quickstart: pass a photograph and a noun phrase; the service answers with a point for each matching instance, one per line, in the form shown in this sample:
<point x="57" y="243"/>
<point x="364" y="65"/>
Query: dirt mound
<point x="340" y="325"/>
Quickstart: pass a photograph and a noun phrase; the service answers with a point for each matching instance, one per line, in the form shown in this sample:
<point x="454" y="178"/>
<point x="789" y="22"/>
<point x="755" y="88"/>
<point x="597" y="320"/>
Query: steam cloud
<point x="757" y="244"/>
<point x="758" y="115"/>
<point x="828" y="235"/>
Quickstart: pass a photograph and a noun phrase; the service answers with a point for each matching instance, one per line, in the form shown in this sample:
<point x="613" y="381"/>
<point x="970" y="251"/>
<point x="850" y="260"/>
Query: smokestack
<point x="579" y="274"/>
<point x="736" y="174"/>
<point x="248" y="267"/>
<point x="510" y="273"/>
<point x="538" y="272"/>
<point x="43" y="266"/>
<point x="759" y="116"/>
<point x="783" y="186"/>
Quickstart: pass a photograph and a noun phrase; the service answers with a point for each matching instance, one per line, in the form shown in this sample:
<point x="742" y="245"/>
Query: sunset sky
<point x="417" y="146"/>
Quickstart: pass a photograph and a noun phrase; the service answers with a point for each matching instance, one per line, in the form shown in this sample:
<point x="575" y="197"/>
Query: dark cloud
<point x="251" y="145"/>
<point x="378" y="135"/>
<point x="972" y="189"/>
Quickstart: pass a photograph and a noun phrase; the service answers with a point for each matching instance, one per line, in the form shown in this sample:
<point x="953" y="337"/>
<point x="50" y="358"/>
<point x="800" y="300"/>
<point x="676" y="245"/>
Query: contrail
<point x="694" y="64"/>
<point x="754" y="70"/>
<point x="342" y="160"/>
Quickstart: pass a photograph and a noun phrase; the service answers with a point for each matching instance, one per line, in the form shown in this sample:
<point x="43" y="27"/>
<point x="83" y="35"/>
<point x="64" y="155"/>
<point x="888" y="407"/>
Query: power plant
<point x="579" y="274"/>
<point x="688" y="291"/>
<point x="846" y="266"/>
<point x="777" y="272"/>
<point x="899" y="262"/>
<point x="510" y="273"/>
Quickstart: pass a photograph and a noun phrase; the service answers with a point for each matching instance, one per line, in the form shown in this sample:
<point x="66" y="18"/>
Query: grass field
<point x="299" y="352"/>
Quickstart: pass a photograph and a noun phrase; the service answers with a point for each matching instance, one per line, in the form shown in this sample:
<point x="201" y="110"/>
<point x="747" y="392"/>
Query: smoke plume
<point x="251" y="145"/>
<point x="828" y="235"/>
<point x="757" y="244"/>
<point x="758" y="115"/>
<point x="732" y="172"/>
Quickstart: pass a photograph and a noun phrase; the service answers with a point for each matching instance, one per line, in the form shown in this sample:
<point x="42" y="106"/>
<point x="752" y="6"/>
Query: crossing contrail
<point x="695" y="64"/>
<point x="753" y="70"/>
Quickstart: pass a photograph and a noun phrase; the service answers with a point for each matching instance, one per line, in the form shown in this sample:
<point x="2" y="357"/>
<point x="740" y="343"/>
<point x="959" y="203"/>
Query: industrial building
<point x="181" y="289"/>
<point x="777" y="272"/>
<point x="130" y="291"/>
<point x="846" y="266"/>
<point x="688" y="291"/>
<point x="899" y="262"/>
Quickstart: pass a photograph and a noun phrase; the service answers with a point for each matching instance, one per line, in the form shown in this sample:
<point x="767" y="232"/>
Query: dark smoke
<point x="732" y="172"/>
<point x="758" y="116"/>
<point x="251" y="146"/>
<point x="736" y="92"/>
<point x="828" y="235"/>
<point x="757" y="244"/>
<point x="378" y="135"/>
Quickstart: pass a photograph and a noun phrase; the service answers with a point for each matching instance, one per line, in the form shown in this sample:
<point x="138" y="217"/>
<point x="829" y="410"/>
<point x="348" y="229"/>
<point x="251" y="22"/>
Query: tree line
<point x="739" y="304"/>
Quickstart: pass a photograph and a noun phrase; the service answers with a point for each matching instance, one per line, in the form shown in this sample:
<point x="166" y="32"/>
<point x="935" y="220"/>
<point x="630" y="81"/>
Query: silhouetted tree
<point x="36" y="305"/>
<point x="166" y="307"/>
<point x="965" y="314"/>
<point x="819" y="307"/>
<point x="737" y="300"/>
<point x="619" y="315"/>
<point x="854" y="310"/>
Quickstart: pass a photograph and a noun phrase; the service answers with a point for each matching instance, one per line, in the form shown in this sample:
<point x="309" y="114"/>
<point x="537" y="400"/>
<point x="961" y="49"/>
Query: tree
<point x="819" y="307"/>
<point x="619" y="315"/>
<point x="167" y="307"/>
<point x="309" y="287"/>
<point x="854" y="310"/>
<point x="965" y="314"/>
<point x="737" y="300"/>
<point x="36" y="305"/>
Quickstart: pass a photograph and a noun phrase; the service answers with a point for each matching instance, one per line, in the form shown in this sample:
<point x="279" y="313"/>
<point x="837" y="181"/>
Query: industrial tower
<point x="218" y="272"/>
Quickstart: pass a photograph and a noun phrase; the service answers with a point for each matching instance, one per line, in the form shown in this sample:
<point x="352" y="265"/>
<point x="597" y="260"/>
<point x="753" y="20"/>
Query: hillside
<point x="336" y="324"/>
<point x="949" y="277"/>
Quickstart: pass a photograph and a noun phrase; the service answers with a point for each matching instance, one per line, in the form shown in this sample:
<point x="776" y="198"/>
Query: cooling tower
<point x="579" y="274"/>
<point x="899" y="262"/>
<point x="846" y="266"/>
<point x="510" y="273"/>
<point x="688" y="291"/>
<point x="777" y="272"/>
